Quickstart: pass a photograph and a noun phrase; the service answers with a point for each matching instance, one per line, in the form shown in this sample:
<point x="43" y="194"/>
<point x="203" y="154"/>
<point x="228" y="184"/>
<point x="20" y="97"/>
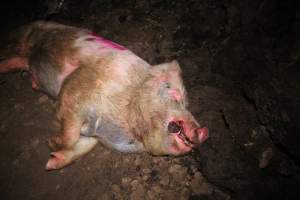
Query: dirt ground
<point x="240" y="68"/>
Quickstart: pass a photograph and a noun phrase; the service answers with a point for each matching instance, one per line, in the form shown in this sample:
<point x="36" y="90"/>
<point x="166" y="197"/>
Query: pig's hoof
<point x="56" y="161"/>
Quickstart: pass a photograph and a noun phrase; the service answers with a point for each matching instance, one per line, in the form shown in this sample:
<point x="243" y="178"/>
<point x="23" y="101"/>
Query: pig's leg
<point x="13" y="64"/>
<point x="18" y="63"/>
<point x="71" y="126"/>
<point x="62" y="158"/>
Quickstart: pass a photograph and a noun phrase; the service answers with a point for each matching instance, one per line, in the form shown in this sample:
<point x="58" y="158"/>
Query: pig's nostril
<point x="173" y="127"/>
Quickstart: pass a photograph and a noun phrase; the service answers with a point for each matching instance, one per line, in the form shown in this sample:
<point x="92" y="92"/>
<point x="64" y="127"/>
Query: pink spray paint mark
<point x="107" y="43"/>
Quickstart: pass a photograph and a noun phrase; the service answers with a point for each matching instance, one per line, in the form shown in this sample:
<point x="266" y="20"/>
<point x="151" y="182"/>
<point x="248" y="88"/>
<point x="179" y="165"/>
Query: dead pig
<point x="105" y="93"/>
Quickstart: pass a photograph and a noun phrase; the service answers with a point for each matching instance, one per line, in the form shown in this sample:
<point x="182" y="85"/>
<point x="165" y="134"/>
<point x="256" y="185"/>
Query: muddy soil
<point x="240" y="64"/>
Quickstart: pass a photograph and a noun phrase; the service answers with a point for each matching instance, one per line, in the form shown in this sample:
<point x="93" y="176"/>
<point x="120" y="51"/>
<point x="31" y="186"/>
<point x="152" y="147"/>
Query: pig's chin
<point x="181" y="145"/>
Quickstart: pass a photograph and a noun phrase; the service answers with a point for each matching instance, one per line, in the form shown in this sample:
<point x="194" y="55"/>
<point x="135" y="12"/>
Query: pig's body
<point x="105" y="91"/>
<point x="51" y="52"/>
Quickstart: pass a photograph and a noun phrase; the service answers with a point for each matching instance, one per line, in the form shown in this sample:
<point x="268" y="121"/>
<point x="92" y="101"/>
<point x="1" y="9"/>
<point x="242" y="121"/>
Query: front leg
<point x="70" y="133"/>
<point x="68" y="146"/>
<point x="60" y="159"/>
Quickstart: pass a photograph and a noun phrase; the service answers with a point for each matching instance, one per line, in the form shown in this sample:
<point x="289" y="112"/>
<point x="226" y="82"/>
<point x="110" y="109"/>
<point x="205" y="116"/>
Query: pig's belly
<point x="111" y="135"/>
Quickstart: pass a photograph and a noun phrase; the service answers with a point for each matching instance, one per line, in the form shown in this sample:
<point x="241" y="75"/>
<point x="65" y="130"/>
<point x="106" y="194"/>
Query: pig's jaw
<point x="181" y="146"/>
<point x="182" y="143"/>
<point x="182" y="136"/>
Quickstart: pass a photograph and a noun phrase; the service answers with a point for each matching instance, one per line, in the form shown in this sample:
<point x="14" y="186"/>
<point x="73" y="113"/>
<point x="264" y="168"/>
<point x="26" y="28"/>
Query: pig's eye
<point x="173" y="127"/>
<point x="168" y="85"/>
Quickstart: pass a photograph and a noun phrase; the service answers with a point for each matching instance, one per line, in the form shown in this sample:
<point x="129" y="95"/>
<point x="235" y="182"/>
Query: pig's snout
<point x="202" y="134"/>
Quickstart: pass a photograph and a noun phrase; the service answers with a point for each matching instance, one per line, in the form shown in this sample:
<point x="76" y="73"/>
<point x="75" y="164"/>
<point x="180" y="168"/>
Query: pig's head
<point x="172" y="129"/>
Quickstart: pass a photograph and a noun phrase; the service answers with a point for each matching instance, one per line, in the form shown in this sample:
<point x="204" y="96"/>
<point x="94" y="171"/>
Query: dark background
<point x="240" y="63"/>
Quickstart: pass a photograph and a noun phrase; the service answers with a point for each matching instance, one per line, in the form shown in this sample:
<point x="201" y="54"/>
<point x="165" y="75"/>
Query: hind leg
<point x="18" y="63"/>
<point x="64" y="157"/>
<point x="13" y="64"/>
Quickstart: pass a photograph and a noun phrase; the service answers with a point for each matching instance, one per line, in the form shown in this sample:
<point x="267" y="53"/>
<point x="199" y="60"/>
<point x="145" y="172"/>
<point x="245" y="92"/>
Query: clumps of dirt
<point x="144" y="177"/>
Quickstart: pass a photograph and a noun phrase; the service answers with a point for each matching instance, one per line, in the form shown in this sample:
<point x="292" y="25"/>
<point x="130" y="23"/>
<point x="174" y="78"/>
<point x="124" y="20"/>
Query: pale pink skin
<point x="17" y="63"/>
<point x="71" y="64"/>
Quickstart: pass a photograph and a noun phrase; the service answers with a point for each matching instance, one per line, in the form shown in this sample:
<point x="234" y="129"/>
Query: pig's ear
<point x="168" y="77"/>
<point x="171" y="68"/>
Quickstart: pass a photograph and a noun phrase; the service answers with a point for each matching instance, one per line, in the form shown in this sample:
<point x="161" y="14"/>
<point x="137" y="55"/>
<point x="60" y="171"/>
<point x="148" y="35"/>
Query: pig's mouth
<point x="178" y="129"/>
<point x="196" y="135"/>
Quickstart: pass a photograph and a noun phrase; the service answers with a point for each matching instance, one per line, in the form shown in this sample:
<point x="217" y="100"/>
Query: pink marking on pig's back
<point x="107" y="43"/>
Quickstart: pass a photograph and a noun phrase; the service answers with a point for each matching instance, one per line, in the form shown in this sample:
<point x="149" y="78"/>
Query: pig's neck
<point x="138" y="118"/>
